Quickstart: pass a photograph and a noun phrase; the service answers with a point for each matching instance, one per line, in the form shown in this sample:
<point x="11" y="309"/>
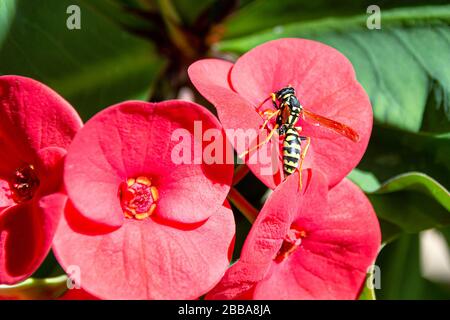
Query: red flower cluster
<point x="128" y="221"/>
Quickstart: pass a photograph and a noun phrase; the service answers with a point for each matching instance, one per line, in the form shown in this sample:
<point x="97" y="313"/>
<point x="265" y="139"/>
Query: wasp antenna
<point x="264" y="101"/>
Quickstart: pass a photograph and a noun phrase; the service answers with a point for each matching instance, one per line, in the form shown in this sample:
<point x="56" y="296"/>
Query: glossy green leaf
<point x="94" y="67"/>
<point x="410" y="203"/>
<point x="403" y="66"/>
<point x="365" y="180"/>
<point x="6" y="10"/>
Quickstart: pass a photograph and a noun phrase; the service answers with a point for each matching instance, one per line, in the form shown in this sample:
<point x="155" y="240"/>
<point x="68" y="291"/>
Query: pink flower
<point x="36" y="127"/>
<point x="138" y="225"/>
<point x="313" y="245"/>
<point x="325" y="84"/>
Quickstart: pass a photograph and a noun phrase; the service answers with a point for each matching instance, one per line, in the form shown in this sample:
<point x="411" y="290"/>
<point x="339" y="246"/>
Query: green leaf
<point x="410" y="203"/>
<point x="130" y="15"/>
<point x="446" y="233"/>
<point x="403" y="66"/>
<point x="401" y="277"/>
<point x="189" y="10"/>
<point x="6" y="10"/>
<point x="365" y="180"/>
<point x="394" y="151"/>
<point x="94" y="67"/>
<point x="32" y="289"/>
<point x="262" y="14"/>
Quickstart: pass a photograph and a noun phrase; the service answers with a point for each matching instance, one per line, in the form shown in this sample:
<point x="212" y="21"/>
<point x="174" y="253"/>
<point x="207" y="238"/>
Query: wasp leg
<point x="302" y="157"/>
<point x="274" y="101"/>
<point x="260" y="144"/>
<point x="271" y="113"/>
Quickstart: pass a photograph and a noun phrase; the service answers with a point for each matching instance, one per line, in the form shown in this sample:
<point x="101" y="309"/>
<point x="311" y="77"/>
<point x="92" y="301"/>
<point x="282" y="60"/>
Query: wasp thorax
<point x="291" y="242"/>
<point x="138" y="198"/>
<point x="24" y="184"/>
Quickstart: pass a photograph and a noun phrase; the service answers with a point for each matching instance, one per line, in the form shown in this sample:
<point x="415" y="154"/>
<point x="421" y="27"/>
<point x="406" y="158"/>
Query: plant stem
<point x="242" y="205"/>
<point x="239" y="173"/>
<point x="32" y="289"/>
<point x="173" y="25"/>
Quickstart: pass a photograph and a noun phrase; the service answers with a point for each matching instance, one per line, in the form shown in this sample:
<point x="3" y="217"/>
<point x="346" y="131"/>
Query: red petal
<point x="149" y="260"/>
<point x="26" y="233"/>
<point x="77" y="294"/>
<point x="238" y="117"/>
<point x="132" y="139"/>
<point x="274" y="220"/>
<point x="325" y="84"/>
<point x="50" y="165"/>
<point x="208" y="74"/>
<point x="32" y="117"/>
<point x="238" y="282"/>
<point x="11" y="157"/>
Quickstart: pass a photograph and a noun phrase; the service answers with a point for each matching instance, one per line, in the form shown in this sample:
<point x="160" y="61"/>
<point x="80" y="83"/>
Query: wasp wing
<point x="338" y="127"/>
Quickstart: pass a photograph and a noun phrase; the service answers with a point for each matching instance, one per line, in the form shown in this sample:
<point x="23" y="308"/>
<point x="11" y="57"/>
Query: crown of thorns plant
<point x="136" y="197"/>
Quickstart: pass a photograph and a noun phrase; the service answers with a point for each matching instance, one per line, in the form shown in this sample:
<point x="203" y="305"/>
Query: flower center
<point x="138" y="198"/>
<point x="24" y="184"/>
<point x="291" y="242"/>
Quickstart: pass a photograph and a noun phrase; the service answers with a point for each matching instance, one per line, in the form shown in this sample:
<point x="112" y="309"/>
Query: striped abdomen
<point x="291" y="151"/>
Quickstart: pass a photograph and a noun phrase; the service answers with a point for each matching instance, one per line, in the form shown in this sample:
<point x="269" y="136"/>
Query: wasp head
<point x="282" y="92"/>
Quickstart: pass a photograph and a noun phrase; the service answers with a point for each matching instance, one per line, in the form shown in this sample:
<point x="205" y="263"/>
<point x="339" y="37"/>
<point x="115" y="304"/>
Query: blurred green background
<point x="140" y="49"/>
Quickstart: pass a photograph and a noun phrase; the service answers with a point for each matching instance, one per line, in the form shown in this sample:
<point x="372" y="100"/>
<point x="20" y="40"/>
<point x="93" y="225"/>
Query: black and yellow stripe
<point x="291" y="151"/>
<point x="293" y="117"/>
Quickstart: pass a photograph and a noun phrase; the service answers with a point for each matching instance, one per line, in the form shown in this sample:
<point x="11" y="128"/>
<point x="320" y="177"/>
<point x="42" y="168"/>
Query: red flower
<point x="138" y="225"/>
<point x="317" y="246"/>
<point x="325" y="84"/>
<point x="36" y="125"/>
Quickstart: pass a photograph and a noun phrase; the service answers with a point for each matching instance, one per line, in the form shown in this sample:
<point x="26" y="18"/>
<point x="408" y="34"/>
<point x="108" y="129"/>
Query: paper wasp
<point x="288" y="111"/>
